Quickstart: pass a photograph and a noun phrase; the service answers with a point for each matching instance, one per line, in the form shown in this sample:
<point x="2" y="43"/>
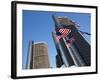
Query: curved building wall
<point x="40" y="56"/>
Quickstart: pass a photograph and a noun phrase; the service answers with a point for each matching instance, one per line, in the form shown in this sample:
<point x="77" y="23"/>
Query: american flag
<point x="71" y="41"/>
<point x="61" y="33"/>
<point x="64" y="31"/>
<point x="58" y="38"/>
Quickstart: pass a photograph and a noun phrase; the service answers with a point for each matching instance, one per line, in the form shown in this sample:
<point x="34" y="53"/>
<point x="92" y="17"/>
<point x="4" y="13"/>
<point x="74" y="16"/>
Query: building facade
<point x="39" y="56"/>
<point x="74" y="48"/>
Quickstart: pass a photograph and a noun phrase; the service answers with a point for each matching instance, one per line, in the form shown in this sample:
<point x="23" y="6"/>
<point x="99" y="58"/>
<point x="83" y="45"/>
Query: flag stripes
<point x="64" y="31"/>
<point x="58" y="38"/>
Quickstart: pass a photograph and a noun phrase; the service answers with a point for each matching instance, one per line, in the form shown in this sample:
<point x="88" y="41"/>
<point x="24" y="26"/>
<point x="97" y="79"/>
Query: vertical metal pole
<point x="28" y="56"/>
<point x="33" y="55"/>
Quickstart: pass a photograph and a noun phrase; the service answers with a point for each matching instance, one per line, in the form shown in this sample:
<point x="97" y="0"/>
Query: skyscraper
<point x="38" y="56"/>
<point x="63" y="57"/>
<point x="74" y="48"/>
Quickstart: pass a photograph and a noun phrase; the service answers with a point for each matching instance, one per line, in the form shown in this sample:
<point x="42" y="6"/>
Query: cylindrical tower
<point x="40" y="55"/>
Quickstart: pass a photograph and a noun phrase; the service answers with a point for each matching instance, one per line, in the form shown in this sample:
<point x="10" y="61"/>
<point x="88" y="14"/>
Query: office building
<point x="73" y="46"/>
<point x="38" y="56"/>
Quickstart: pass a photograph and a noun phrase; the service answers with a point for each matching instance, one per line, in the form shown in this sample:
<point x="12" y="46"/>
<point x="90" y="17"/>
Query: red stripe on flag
<point x="64" y="31"/>
<point x="58" y="38"/>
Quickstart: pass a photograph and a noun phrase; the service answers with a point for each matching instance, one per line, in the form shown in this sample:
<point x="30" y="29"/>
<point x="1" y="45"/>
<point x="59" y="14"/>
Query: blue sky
<point x="38" y="25"/>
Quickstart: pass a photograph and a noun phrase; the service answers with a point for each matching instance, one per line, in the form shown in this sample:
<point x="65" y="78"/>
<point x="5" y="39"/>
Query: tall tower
<point x="63" y="57"/>
<point x="38" y="56"/>
<point x="74" y="48"/>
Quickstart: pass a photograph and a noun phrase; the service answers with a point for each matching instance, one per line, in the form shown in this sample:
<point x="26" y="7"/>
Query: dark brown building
<point x="79" y="53"/>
